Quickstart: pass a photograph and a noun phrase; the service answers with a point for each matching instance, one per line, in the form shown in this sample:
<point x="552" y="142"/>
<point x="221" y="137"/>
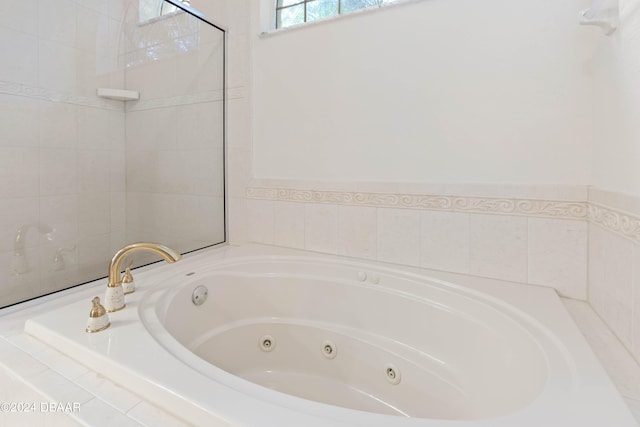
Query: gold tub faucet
<point x="114" y="298"/>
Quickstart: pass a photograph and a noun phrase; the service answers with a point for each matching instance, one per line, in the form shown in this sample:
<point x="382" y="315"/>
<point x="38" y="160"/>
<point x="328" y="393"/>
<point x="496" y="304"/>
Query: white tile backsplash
<point x="444" y="243"/>
<point x="557" y="255"/>
<point x="498" y="247"/>
<point x="260" y="221"/>
<point x="358" y="231"/>
<point x="289" y="224"/>
<point x="399" y="236"/>
<point x="610" y="280"/>
<point x="321" y="228"/>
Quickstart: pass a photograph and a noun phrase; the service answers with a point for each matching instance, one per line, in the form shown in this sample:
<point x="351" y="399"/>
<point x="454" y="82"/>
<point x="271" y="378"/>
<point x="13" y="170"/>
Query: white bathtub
<point x="287" y="338"/>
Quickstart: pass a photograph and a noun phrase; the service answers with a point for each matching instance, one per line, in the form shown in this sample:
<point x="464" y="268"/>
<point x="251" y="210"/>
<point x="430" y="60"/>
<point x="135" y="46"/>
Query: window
<point x="152" y="9"/>
<point x="169" y="8"/>
<point x="294" y="12"/>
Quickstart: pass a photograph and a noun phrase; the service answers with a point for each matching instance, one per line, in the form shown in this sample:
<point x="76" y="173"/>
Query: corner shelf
<point x="119" y="94"/>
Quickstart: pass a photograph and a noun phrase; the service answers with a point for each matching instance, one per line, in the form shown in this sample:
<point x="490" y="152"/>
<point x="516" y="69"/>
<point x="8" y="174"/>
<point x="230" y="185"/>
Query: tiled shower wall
<point x="63" y="152"/>
<point x="174" y="152"/>
<point x="61" y="147"/>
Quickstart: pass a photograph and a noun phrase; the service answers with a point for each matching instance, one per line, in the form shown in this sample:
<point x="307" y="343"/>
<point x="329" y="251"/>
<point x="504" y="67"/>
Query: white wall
<point x="616" y="67"/>
<point x="434" y="90"/>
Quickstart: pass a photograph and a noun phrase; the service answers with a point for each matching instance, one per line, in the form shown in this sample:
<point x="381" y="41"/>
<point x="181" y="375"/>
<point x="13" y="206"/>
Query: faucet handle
<point x="128" y="283"/>
<point x="98" y="318"/>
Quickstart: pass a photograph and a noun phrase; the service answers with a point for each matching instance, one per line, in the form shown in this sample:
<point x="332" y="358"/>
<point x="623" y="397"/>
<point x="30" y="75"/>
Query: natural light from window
<point x="151" y="9"/>
<point x="294" y="12"/>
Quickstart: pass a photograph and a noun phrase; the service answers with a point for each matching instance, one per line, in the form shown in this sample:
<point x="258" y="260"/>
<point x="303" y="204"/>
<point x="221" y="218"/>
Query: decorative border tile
<point x="484" y="205"/>
<point x="623" y="224"/>
<point x="18" y="89"/>
<point x="210" y="96"/>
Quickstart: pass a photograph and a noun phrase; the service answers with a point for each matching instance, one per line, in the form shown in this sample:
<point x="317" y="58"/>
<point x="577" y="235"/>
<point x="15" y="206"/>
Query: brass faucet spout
<point x="115" y="266"/>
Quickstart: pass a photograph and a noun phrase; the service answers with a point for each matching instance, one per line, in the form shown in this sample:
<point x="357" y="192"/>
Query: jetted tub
<point x="260" y="336"/>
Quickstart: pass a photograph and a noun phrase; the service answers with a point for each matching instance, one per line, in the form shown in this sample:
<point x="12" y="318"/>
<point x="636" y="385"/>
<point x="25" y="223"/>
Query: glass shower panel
<point x="82" y="175"/>
<point x="175" y="132"/>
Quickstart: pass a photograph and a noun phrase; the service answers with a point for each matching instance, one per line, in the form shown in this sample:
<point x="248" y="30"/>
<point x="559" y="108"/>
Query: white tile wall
<point x="58" y="171"/>
<point x="15" y="111"/>
<point x="58" y="138"/>
<point x="19" y="176"/>
<point x="63" y="144"/>
<point x="260" y="220"/>
<point x="57" y="21"/>
<point x="528" y="249"/>
<point x="59" y="126"/>
<point x="15" y="213"/>
<point x="558" y="255"/>
<point x="444" y="241"/>
<point x="498" y="247"/>
<point x="610" y="280"/>
<point x="399" y="236"/>
<point x="358" y="231"/>
<point x="60" y="62"/>
<point x="289" y="225"/>
<point x="23" y="49"/>
<point x="321" y="228"/>
<point x="20" y="16"/>
<point x="174" y="134"/>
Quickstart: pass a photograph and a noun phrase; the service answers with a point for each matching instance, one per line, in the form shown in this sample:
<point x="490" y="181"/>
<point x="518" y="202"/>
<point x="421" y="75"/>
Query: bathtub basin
<point x="287" y="338"/>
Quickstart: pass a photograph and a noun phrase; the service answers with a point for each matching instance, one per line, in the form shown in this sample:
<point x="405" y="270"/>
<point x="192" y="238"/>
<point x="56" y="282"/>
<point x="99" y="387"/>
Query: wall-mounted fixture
<point x="603" y="14"/>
